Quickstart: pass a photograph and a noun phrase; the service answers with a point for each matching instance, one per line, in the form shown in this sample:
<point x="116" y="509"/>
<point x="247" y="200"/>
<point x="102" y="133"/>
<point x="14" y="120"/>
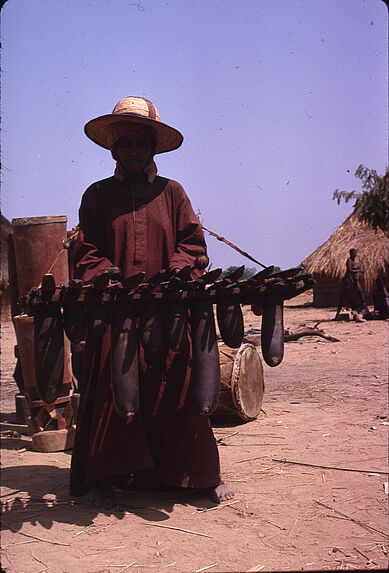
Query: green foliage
<point x="372" y="205"/>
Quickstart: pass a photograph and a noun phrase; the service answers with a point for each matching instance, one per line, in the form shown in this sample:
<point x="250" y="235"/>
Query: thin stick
<point x="263" y="436"/>
<point x="218" y="506"/>
<point x="205" y="568"/>
<point x="269" y="537"/>
<point x="292" y="336"/>
<point x="230" y="435"/>
<point x="56" y="259"/>
<point x="19" y="543"/>
<point x="35" y="536"/>
<point x="105" y="549"/>
<point x="329" y="467"/>
<point x="127" y="566"/>
<point x="254" y="445"/>
<point x="275" y="524"/>
<point x="179" y="529"/>
<point x="363" y="555"/>
<point x="250" y="459"/>
<point x="219" y="238"/>
<point x="384" y="506"/>
<point x="39" y="561"/>
<point x="366" y="526"/>
<point x="294" y="525"/>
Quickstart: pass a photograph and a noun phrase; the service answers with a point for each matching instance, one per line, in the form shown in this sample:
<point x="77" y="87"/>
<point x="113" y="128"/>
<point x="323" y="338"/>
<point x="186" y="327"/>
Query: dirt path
<point x="325" y="406"/>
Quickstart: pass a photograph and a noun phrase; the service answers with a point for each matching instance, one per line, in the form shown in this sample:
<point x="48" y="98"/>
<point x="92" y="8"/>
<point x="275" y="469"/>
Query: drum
<point x="242" y="384"/>
<point x="38" y="249"/>
<point x="38" y="243"/>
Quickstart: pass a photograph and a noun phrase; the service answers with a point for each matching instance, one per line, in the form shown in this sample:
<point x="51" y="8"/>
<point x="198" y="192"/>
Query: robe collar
<point x="150" y="172"/>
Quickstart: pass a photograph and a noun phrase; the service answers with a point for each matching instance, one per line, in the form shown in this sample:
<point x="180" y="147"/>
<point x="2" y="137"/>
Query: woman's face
<point x="133" y="152"/>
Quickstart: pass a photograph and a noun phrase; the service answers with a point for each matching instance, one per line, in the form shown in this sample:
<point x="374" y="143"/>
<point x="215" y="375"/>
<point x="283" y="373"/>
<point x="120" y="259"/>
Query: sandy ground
<point x="325" y="409"/>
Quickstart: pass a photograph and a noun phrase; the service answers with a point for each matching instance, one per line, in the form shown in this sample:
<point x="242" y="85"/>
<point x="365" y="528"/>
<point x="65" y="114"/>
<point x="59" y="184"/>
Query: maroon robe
<point x="140" y="228"/>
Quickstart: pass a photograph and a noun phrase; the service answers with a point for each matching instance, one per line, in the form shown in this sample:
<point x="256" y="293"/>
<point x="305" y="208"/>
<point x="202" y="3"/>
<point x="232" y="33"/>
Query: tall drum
<point x="242" y="384"/>
<point x="38" y="250"/>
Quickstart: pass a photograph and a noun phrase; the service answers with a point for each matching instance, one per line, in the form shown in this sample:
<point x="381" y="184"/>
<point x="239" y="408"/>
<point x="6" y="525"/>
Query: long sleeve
<point x="162" y="231"/>
<point x="190" y="242"/>
<point x="88" y="258"/>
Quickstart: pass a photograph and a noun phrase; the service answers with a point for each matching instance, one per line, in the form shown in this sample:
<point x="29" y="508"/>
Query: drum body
<point x="242" y="383"/>
<point x="38" y="249"/>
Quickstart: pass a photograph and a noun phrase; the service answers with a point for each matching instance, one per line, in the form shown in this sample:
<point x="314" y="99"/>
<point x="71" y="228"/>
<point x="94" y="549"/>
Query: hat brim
<point x="99" y="130"/>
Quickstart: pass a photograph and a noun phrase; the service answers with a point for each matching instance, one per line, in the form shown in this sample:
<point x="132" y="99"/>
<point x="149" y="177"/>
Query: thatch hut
<point x="328" y="263"/>
<point x="6" y="229"/>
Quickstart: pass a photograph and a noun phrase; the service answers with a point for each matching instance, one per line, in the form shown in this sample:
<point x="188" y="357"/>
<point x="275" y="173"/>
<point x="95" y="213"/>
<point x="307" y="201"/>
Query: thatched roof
<point x="329" y="260"/>
<point x="6" y="228"/>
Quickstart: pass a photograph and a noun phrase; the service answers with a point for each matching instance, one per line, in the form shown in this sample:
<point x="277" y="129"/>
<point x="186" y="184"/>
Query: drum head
<point x="247" y="385"/>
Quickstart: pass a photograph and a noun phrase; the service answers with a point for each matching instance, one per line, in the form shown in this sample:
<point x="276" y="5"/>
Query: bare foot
<point x="220" y="493"/>
<point x="99" y="496"/>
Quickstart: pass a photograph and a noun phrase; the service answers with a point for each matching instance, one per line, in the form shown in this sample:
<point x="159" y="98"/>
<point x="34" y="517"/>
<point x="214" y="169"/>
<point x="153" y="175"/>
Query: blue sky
<point x="279" y="101"/>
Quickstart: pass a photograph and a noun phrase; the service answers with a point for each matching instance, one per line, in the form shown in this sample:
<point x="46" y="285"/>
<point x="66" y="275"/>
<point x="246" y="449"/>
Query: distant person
<point x="381" y="299"/>
<point x="351" y="291"/>
<point x="353" y="270"/>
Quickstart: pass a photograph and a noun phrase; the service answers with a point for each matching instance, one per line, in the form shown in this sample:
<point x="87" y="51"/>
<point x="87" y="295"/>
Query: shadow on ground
<point x="40" y="496"/>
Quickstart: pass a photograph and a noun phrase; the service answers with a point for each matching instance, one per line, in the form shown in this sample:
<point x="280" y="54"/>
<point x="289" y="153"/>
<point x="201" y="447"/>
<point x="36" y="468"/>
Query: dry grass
<point x="328" y="262"/>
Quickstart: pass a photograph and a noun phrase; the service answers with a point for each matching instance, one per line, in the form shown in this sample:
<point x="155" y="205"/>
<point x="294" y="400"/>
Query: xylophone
<point x="154" y="313"/>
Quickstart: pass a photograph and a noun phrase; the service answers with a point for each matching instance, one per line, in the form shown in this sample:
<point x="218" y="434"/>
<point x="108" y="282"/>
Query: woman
<point x="137" y="222"/>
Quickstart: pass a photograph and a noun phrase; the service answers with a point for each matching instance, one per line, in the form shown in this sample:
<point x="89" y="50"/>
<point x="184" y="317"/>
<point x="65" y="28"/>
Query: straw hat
<point x="127" y="113"/>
